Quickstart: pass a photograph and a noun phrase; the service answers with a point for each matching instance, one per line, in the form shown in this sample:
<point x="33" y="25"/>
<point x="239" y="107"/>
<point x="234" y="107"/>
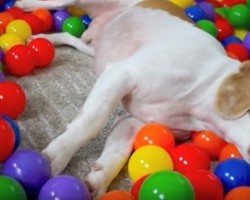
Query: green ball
<point x="207" y="26"/>
<point x="223" y="11"/>
<point x="10" y="189"/>
<point x="166" y="185"/>
<point x="238" y="16"/>
<point x="1" y="67"/>
<point x="74" y="26"/>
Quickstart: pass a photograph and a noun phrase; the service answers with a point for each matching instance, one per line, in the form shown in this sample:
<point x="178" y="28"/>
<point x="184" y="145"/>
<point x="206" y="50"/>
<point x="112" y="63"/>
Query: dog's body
<point x="163" y="69"/>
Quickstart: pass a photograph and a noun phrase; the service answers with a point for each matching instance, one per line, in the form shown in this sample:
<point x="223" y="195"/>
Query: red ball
<point x="12" y="99"/>
<point x="239" y="50"/>
<point x="188" y="156"/>
<point x="209" y="142"/>
<point x="154" y="134"/>
<point x="44" y="50"/>
<point x="224" y="29"/>
<point x="137" y="186"/>
<point x="207" y="186"/>
<point x="34" y="22"/>
<point x="7" y="140"/>
<point x="231" y="3"/>
<point x="20" y="60"/>
<point x="16" y="12"/>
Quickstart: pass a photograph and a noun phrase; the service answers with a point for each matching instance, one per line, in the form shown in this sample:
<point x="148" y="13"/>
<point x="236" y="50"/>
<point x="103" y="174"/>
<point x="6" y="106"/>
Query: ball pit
<point x="226" y="20"/>
<point x="117" y="194"/>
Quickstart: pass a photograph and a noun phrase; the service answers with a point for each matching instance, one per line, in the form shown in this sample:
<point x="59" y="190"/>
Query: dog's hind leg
<point x="59" y="39"/>
<point x="30" y="5"/>
<point x="117" y="150"/>
<point x="112" y="85"/>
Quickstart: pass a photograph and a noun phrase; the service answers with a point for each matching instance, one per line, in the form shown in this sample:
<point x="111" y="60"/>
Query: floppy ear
<point x="233" y="97"/>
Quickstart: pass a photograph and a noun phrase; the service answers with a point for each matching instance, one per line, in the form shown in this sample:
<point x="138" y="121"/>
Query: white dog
<point x="163" y="69"/>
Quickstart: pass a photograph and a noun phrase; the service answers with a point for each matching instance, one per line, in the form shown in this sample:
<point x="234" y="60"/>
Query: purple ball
<point x="208" y="10"/>
<point x="59" y="17"/>
<point x="64" y="187"/>
<point x="30" y="168"/>
<point x="246" y="41"/>
<point x="1" y="55"/>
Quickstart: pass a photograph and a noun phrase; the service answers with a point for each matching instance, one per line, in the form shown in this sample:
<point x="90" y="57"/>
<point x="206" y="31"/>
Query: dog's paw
<point x="59" y="156"/>
<point x="97" y="181"/>
<point x="26" y="5"/>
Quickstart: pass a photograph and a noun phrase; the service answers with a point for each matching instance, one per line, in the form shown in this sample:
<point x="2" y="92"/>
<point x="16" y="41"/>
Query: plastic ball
<point x="86" y="20"/>
<point x="238" y="16"/>
<point x="147" y="160"/>
<point x="46" y="19"/>
<point x="12" y="99"/>
<point x="8" y="40"/>
<point x="117" y="194"/>
<point x="240" y="33"/>
<point x="246" y="41"/>
<point x="208" y="27"/>
<point x="223" y="12"/>
<point x="233" y="173"/>
<point x="74" y="26"/>
<point x="209" y="142"/>
<point x="208" y="10"/>
<point x="166" y="185"/>
<point x="188" y="156"/>
<point x="137" y="186"/>
<point x="239" y="50"/>
<point x="2" y="77"/>
<point x="59" y="18"/>
<point x="16" y="12"/>
<point x="1" y="55"/>
<point x="206" y="185"/>
<point x="75" y="11"/>
<point x="20" y="60"/>
<point x="16" y="130"/>
<point x="10" y="189"/>
<point x="30" y="168"/>
<point x="7" y="4"/>
<point x="154" y="134"/>
<point x="183" y="3"/>
<point x="224" y="29"/>
<point x="229" y="151"/>
<point x="64" y="187"/>
<point x="239" y="193"/>
<point x="7" y="140"/>
<point x="34" y="22"/>
<point x="195" y="13"/>
<point x="5" y="19"/>
<point x="44" y="50"/>
<point x="231" y="39"/>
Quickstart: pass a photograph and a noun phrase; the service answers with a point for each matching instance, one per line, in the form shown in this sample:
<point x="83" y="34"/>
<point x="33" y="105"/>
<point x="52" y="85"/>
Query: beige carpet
<point x="54" y="96"/>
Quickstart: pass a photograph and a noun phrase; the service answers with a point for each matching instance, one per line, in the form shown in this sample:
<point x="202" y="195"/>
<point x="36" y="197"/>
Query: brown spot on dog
<point x="233" y="97"/>
<point x="167" y="6"/>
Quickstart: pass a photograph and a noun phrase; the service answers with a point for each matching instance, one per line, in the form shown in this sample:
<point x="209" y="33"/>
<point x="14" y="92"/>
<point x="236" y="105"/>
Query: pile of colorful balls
<point x="207" y="168"/>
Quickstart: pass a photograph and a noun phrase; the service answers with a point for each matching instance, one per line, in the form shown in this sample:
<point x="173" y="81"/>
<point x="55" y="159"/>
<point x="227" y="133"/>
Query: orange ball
<point x="154" y="134"/>
<point x="117" y="195"/>
<point x="239" y="193"/>
<point x="229" y="151"/>
<point x="45" y="17"/>
<point x="209" y="142"/>
<point x="5" y="19"/>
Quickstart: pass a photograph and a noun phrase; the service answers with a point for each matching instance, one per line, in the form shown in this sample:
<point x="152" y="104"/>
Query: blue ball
<point x="231" y="39"/>
<point x="233" y="173"/>
<point x="86" y="20"/>
<point x="195" y="13"/>
<point x="7" y="4"/>
<point x="16" y="130"/>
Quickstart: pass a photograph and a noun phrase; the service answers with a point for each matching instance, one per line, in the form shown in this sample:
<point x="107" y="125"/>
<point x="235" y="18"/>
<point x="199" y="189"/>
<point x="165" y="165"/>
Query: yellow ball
<point x="20" y="28"/>
<point x="148" y="159"/>
<point x="240" y="33"/>
<point x="183" y="3"/>
<point x="9" y="40"/>
<point x="75" y="11"/>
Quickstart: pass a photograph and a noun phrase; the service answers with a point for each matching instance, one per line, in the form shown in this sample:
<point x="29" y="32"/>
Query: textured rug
<point x="54" y="96"/>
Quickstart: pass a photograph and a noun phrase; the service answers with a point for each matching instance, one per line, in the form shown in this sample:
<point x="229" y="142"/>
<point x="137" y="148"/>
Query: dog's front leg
<point x="30" y="5"/>
<point x="116" y="152"/>
<point x="113" y="84"/>
<point x="59" y="39"/>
